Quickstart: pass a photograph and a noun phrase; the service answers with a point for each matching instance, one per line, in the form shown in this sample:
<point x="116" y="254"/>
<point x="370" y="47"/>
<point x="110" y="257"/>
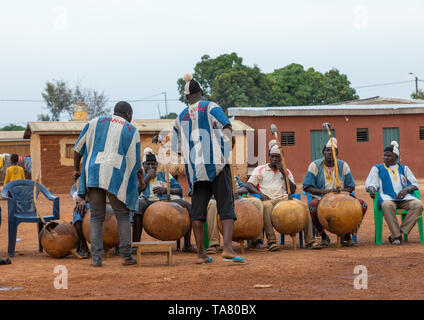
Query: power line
<point x="147" y="99"/>
<point x="135" y="100"/>
<point x="384" y="84"/>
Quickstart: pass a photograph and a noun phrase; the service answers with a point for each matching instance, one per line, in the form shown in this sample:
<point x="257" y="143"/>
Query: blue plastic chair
<point x="309" y="198"/>
<point x="296" y="196"/>
<point x="20" y="203"/>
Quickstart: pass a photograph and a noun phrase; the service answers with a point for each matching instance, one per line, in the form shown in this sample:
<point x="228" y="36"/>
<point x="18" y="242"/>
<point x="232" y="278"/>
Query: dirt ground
<point x="394" y="272"/>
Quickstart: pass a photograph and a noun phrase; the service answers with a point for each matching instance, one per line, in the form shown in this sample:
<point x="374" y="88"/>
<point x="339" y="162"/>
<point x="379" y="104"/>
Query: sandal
<point x="272" y="247"/>
<point x="212" y="250"/>
<point x="190" y="249"/>
<point x="257" y="247"/>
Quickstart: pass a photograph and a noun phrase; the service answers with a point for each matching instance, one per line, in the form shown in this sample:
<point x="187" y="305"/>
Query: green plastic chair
<point x="378" y="220"/>
<point x="205" y="236"/>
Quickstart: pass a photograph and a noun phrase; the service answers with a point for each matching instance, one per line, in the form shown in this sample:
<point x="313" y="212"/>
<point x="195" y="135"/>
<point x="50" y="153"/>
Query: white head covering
<point x="146" y="152"/>
<point x="271" y="144"/>
<point x="395" y="147"/>
<point x="328" y="145"/>
<point x="274" y="149"/>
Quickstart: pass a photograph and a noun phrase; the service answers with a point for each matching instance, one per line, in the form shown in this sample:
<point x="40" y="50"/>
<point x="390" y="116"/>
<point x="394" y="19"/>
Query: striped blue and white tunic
<point x="390" y="181"/>
<point x="199" y="137"/>
<point x="110" y="146"/>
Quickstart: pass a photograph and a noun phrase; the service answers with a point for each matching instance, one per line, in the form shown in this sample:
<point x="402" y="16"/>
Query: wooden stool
<point x="153" y="246"/>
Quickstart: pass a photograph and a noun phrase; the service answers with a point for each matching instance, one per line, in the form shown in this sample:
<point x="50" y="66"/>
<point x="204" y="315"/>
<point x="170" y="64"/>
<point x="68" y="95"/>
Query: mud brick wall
<point x="56" y="177"/>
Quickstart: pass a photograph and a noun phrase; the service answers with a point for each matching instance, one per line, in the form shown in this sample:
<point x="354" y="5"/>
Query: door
<point x="390" y="134"/>
<point x="319" y="139"/>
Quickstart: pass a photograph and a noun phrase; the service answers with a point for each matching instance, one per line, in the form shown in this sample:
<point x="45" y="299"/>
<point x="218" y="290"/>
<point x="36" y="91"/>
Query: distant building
<point x="14" y="142"/>
<point x="362" y="127"/>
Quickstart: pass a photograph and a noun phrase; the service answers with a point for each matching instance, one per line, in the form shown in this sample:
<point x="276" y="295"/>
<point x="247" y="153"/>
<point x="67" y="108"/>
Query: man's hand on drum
<point x="81" y="207"/>
<point x="159" y="190"/>
<point x="264" y="197"/>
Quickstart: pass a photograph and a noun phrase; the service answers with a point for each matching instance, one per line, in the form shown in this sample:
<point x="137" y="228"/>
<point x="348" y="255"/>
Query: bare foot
<point x="228" y="253"/>
<point x="202" y="259"/>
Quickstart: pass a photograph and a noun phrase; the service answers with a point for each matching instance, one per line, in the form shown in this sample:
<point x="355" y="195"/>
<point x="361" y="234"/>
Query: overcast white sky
<point x="135" y="49"/>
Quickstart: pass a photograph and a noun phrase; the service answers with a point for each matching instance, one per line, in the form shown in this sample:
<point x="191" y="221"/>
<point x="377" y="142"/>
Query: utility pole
<point x="166" y="104"/>
<point x="159" y="111"/>
<point x="416" y="83"/>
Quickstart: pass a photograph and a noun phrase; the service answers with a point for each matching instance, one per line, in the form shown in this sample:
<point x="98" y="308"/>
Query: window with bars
<point x="288" y="138"/>
<point x="421" y="133"/>
<point x="362" y="135"/>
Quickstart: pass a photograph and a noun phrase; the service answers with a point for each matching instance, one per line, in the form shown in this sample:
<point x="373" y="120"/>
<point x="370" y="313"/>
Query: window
<point x="362" y="135"/>
<point x="421" y="133"/>
<point x="288" y="139"/>
<point x="69" y="151"/>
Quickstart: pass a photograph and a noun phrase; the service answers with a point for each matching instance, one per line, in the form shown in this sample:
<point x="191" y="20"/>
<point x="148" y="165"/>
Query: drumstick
<point x="274" y="130"/>
<point x="232" y="178"/>
<point x="327" y="126"/>
<point x="163" y="141"/>
<point x="35" y="199"/>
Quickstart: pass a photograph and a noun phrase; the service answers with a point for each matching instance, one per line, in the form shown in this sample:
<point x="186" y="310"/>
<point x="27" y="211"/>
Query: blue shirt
<point x="110" y="146"/>
<point x="160" y="181"/>
<point x="316" y="176"/>
<point x="199" y="137"/>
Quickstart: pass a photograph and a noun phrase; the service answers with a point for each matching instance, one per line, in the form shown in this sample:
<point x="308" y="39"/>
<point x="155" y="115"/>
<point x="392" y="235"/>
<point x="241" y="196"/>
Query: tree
<point x="60" y="99"/>
<point x="171" y="115"/>
<point x="418" y="95"/>
<point x="293" y="85"/>
<point x="228" y="82"/>
<point x="96" y="102"/>
<point x="12" y="127"/>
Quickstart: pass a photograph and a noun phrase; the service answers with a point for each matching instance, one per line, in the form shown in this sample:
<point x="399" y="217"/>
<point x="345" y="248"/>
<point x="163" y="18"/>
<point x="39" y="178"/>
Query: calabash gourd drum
<point x="339" y="213"/>
<point x="58" y="238"/>
<point x="110" y="230"/>
<point x="290" y="216"/>
<point x="249" y="223"/>
<point x="166" y="221"/>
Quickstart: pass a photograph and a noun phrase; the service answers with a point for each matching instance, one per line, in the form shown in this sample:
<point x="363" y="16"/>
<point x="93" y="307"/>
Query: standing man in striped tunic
<point x="110" y="148"/>
<point x="201" y="134"/>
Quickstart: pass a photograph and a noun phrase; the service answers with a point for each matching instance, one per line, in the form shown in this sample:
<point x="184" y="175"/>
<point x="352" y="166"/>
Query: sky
<point x="138" y="49"/>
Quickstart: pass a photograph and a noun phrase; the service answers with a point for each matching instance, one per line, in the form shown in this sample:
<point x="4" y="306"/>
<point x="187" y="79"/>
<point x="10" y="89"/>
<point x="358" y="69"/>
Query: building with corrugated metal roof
<point x="363" y="129"/>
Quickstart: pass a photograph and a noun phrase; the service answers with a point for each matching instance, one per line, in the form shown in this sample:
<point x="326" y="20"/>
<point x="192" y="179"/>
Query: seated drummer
<point x="395" y="183"/>
<point x="269" y="181"/>
<point x="155" y="190"/>
<point x="212" y="219"/>
<point x="321" y="179"/>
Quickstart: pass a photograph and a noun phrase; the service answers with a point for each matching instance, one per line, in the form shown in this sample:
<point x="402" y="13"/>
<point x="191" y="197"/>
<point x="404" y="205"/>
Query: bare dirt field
<point x="394" y="272"/>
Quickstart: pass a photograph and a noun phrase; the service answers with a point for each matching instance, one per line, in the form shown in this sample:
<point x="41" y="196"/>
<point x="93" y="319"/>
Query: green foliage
<point x="419" y="95"/>
<point x="96" y="102"/>
<point x="60" y="99"/>
<point x="231" y="84"/>
<point x="171" y="115"/>
<point x="228" y="82"/>
<point x="12" y="127"/>
<point x="293" y="86"/>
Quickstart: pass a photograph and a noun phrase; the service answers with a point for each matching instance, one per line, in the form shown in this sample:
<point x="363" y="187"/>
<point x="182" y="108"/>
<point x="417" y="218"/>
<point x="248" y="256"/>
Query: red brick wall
<point x="360" y="156"/>
<point x="57" y="178"/>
